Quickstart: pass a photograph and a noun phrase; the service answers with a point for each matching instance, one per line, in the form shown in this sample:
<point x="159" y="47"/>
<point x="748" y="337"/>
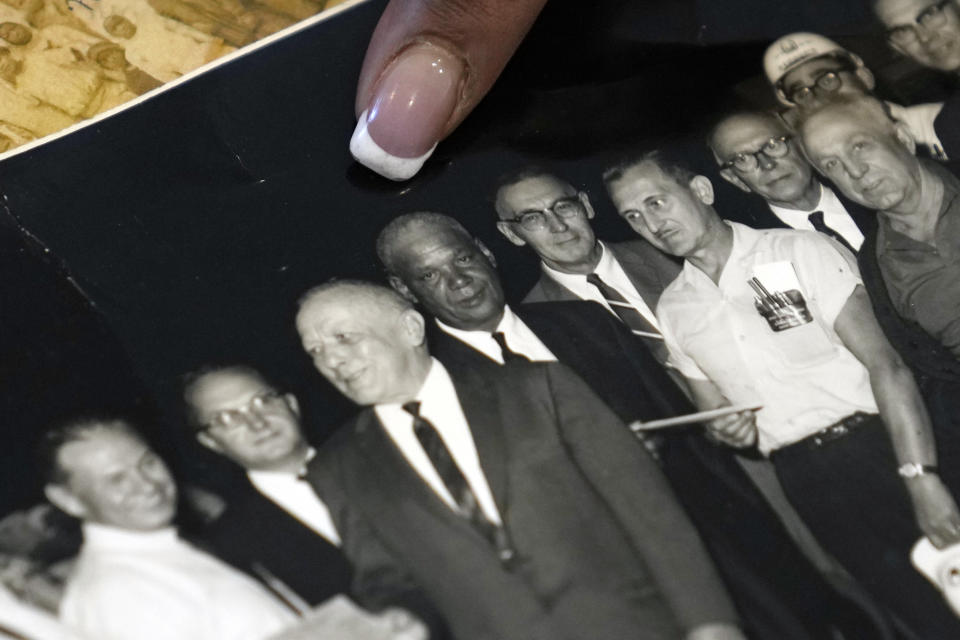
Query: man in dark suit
<point x="541" y="211"/>
<point x="757" y="154"/>
<point x="513" y="496"/>
<point x="274" y="526"/>
<point x="432" y="259"/>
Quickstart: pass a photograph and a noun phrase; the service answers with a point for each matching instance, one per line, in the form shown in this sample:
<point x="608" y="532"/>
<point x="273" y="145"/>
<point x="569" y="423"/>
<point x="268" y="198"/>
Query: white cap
<point x="941" y="567"/>
<point x="790" y="51"/>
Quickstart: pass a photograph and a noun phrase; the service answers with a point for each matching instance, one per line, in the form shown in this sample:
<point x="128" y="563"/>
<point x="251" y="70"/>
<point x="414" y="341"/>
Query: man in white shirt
<point x="513" y="496"/>
<point x="778" y="320"/>
<point x="134" y="578"/>
<point x="758" y="154"/>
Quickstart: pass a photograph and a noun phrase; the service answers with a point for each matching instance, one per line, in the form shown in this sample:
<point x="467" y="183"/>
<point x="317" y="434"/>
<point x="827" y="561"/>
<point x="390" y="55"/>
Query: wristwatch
<point x="915" y="469"/>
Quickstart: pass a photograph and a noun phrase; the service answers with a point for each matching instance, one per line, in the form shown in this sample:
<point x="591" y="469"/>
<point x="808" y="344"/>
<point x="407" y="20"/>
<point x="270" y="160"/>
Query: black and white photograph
<point x="489" y="320"/>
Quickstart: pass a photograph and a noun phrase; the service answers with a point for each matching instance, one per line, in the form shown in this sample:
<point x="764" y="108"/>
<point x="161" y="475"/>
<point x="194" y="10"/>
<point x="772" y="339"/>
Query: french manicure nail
<point x="410" y="108"/>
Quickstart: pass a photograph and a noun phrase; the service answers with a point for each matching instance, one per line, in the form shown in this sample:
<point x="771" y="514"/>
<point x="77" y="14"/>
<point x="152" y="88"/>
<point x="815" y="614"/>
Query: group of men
<point x="505" y="477"/>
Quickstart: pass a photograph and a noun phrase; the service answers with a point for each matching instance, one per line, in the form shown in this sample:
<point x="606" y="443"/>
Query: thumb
<point x="427" y="66"/>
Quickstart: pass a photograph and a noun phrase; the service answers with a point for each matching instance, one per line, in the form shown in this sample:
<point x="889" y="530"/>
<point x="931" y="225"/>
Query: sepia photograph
<point x="489" y="320"/>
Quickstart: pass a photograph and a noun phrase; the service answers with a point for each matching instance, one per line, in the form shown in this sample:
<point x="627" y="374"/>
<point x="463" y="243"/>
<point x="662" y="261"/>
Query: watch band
<point x="914" y="469"/>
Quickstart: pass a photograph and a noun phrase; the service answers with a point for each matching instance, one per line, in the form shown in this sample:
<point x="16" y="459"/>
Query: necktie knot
<point x="508" y="354"/>
<point x="816" y="219"/>
<point x="412" y="407"/>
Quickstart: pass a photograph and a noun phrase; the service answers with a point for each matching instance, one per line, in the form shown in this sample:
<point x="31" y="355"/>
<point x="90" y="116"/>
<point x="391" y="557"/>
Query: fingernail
<point x="413" y="102"/>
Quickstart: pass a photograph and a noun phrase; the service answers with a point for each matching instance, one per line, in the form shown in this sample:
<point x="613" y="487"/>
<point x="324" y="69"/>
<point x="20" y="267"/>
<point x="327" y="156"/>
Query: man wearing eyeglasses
<point x="275" y="527"/>
<point x="806" y="70"/>
<point x="778" y="320"/>
<point x="924" y="31"/>
<point x="433" y="260"/>
<point x="541" y="211"/>
<point x="757" y="154"/>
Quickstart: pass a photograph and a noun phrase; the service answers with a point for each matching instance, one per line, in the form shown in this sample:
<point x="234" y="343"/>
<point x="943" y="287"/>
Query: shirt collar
<point x="266" y="475"/>
<point x="605" y="263"/>
<point x="437" y="381"/>
<point x="827" y="198"/>
<point x="101" y="536"/>
<point x="743" y="238"/>
<point x="508" y="321"/>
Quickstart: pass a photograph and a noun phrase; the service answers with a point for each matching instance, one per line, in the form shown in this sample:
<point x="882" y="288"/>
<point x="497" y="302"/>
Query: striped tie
<point x="631" y="317"/>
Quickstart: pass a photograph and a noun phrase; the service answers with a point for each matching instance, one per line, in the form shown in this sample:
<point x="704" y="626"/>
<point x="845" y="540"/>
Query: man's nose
<point x="854" y="168"/>
<point x="555" y="223"/>
<point x="766" y="162"/>
<point x="256" y="421"/>
<point x="459" y="279"/>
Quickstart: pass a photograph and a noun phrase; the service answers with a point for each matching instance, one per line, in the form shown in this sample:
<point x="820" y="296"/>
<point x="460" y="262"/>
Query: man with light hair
<point x="776" y="323"/>
<point x="758" y="154"/>
<point x="514" y="497"/>
<point x="806" y="70"/>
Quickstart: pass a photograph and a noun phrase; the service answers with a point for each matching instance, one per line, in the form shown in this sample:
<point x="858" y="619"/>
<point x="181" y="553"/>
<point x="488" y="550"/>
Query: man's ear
<point x="507" y="232"/>
<point x="905" y="136"/>
<point x="400" y="287"/>
<point x="485" y="251"/>
<point x="414" y="326"/>
<point x="207" y="441"/>
<point x="585" y="201"/>
<point x="702" y="188"/>
<point x="62" y="498"/>
<point x="292" y="403"/>
<point x="731" y="176"/>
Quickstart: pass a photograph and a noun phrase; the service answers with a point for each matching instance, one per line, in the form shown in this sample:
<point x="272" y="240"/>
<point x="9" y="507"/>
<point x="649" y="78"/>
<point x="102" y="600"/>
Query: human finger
<point x="428" y="64"/>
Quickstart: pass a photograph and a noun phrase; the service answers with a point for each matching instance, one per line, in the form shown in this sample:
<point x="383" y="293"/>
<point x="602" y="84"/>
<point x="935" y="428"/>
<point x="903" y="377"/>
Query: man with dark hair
<point x="135" y="579"/>
<point x="777" y="322"/>
<point x="757" y="154"/>
<point x="512" y="495"/>
<point x="433" y="260"/>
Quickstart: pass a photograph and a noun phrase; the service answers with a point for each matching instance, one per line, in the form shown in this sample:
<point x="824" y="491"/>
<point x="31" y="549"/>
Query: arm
<point x="633" y="487"/>
<point x="379" y="582"/>
<point x="738" y="429"/>
<point x="904" y="414"/>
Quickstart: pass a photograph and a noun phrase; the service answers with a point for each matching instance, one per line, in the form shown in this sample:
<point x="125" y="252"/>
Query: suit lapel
<point x="647" y="280"/>
<point x="553" y="290"/>
<point x="396" y="479"/>
<point x="481" y="406"/>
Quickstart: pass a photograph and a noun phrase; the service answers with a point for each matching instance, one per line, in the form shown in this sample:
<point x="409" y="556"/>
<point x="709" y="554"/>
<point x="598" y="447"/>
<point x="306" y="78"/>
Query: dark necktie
<point x="631" y="317"/>
<point x="816" y="219"/>
<point x="508" y="354"/>
<point x="456" y="483"/>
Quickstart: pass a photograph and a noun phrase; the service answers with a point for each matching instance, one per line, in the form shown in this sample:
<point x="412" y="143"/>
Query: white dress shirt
<point x="519" y="337"/>
<point x="613" y="275"/>
<point x="293" y="494"/>
<point x="151" y="585"/>
<point x="835" y="216"/>
<point x="439" y="404"/>
<point x="804" y="377"/>
<point x="919" y="119"/>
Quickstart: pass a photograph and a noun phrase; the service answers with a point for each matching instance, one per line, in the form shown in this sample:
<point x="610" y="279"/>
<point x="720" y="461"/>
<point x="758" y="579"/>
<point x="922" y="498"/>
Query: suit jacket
<point x="753" y="211"/>
<point x="255" y="532"/>
<point x="599" y="348"/>
<point x="648" y="269"/>
<point x="603" y="551"/>
<point x="947" y="126"/>
<point x="778" y="592"/>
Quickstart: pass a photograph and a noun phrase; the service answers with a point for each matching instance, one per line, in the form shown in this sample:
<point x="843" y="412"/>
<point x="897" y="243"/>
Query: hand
<point x="935" y="509"/>
<point x="736" y="429"/>
<point x="447" y="54"/>
<point x="716" y="631"/>
<point x="405" y="625"/>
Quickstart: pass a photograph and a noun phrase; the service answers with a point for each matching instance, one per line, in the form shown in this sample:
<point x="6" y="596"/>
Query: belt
<point x="835" y="431"/>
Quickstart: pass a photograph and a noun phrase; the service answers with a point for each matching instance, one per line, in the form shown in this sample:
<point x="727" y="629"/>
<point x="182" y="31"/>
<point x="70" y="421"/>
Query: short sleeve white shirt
<point x="804" y="377"/>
